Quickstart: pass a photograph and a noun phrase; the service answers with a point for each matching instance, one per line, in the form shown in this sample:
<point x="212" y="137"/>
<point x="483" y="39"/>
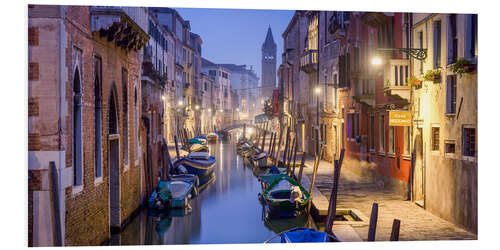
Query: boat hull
<point x="197" y="167"/>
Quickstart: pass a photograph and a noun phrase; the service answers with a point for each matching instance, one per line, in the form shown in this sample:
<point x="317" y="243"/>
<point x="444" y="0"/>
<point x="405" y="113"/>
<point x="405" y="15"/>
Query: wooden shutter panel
<point x="450" y="39"/>
<point x="453" y="94"/>
<point x="448" y="93"/>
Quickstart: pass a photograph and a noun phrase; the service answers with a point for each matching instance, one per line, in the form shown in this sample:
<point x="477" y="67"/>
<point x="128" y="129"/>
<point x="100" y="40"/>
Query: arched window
<point x="97" y="118"/>
<point x="125" y="115"/>
<point x="77" y="130"/>
<point x="136" y="126"/>
<point x="113" y="113"/>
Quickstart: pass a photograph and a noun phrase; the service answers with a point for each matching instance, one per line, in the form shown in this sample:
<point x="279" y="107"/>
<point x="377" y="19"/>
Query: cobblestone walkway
<point x="416" y="223"/>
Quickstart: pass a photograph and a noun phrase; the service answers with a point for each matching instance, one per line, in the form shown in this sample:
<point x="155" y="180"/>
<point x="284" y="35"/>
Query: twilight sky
<point x="236" y="35"/>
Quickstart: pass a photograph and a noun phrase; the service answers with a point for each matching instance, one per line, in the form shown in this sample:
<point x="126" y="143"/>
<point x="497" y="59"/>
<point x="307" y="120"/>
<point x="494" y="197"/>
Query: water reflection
<point x="226" y="211"/>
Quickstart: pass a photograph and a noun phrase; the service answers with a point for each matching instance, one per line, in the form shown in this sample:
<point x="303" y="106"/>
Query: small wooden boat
<point x="304" y="235"/>
<point x="198" y="167"/>
<point x="171" y="194"/>
<point x="284" y="196"/>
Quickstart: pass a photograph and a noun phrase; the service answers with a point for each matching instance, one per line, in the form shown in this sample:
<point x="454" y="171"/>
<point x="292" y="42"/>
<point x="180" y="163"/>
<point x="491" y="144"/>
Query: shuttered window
<point x="437" y="44"/>
<point x="435" y="138"/>
<point x="451" y="94"/>
<point x="471" y="36"/>
<point x="452" y="38"/>
<point x="469" y="142"/>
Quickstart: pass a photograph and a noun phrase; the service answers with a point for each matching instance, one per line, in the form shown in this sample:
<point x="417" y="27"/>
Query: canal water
<point x="226" y="211"/>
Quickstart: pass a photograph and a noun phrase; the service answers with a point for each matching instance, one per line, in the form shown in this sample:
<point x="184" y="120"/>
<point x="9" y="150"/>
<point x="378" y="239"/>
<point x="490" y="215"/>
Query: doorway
<point x="419" y="172"/>
<point x="114" y="164"/>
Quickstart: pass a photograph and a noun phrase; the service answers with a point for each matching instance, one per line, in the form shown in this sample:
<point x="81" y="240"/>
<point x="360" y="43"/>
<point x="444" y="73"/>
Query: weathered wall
<point x="450" y="179"/>
<point x="85" y="211"/>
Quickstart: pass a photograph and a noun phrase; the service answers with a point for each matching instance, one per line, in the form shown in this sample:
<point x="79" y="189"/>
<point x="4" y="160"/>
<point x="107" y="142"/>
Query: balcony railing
<point x="396" y="75"/>
<point x="309" y="61"/>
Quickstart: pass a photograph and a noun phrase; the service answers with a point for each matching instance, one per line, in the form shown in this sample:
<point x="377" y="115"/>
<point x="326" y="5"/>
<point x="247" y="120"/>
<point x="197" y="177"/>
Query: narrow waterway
<point x="226" y="211"/>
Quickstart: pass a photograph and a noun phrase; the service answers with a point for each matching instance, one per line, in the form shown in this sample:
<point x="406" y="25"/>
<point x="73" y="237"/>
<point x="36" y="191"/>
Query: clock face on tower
<point x="268" y="57"/>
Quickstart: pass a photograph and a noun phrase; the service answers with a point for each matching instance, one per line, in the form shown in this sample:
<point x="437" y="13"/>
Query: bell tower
<point x="268" y="66"/>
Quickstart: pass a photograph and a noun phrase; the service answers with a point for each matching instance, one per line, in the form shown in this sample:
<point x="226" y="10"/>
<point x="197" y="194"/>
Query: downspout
<point x="60" y="147"/>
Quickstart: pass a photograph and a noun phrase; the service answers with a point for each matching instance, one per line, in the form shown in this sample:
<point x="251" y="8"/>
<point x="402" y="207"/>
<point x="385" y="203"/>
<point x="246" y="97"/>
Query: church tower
<point x="268" y="66"/>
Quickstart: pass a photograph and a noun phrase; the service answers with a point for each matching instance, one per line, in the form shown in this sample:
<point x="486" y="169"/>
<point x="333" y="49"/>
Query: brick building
<point x="83" y="81"/>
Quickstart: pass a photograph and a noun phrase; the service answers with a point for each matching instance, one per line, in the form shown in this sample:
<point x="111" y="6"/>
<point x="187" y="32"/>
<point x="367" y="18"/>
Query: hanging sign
<point x="399" y="118"/>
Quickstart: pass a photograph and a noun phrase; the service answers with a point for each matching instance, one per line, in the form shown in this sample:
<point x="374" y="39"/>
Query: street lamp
<point x="376" y="61"/>
<point x="180" y="103"/>
<point x="197" y="107"/>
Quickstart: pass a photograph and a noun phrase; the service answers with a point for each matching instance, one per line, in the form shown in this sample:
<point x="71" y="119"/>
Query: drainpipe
<point x="60" y="163"/>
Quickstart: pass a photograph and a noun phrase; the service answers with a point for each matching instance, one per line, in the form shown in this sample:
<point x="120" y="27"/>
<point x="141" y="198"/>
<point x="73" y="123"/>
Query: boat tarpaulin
<point x="306" y="235"/>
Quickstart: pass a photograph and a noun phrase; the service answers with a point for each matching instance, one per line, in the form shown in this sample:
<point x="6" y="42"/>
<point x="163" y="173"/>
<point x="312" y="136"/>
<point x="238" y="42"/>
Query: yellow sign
<point x="399" y="118"/>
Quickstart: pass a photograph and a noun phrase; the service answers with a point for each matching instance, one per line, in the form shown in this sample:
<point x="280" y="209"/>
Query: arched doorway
<point x="114" y="162"/>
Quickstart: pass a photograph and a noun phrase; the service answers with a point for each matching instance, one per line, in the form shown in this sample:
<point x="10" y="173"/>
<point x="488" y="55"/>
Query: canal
<point x="226" y="211"/>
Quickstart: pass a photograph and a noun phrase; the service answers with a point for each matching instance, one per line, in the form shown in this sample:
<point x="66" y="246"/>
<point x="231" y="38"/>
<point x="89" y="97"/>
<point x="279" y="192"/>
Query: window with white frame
<point x="449" y="147"/>
<point x="97" y="118"/>
<point x="77" y="130"/>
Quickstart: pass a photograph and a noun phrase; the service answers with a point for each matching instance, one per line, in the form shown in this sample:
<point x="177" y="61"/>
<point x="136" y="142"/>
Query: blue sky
<point x="236" y="35"/>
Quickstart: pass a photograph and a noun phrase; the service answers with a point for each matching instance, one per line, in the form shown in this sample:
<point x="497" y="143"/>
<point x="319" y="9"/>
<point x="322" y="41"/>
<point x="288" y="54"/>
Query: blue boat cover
<point x="194" y="141"/>
<point x="204" y="163"/>
<point x="306" y="235"/>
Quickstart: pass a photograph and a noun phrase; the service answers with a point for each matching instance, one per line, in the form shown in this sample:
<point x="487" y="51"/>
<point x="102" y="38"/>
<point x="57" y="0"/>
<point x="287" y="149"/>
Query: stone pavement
<point x="354" y="192"/>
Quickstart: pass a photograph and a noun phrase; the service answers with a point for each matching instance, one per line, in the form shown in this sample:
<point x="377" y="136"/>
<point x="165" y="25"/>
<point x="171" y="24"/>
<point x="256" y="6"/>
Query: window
<point x="407" y="135"/>
<point x="136" y="130"/>
<point x="451" y="94"/>
<point x="97" y="118"/>
<point x="452" y="38"/>
<point x="437" y="44"/>
<point x="372" y="133"/>
<point x="183" y="55"/>
<point x="449" y="147"/>
<point x="206" y="86"/>
<point x="435" y="139"/>
<point x="469" y="141"/>
<point x="392" y="138"/>
<point x="381" y="134"/>
<point x="125" y="115"/>
<point x="77" y="130"/>
<point x="471" y="36"/>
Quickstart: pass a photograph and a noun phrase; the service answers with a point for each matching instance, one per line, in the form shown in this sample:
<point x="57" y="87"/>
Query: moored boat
<point x="198" y="167"/>
<point x="284" y="196"/>
<point x="171" y="194"/>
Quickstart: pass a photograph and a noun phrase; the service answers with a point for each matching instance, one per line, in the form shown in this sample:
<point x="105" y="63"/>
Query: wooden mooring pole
<point x="395" y="230"/>
<point x="177" y="147"/>
<point x="332" y="206"/>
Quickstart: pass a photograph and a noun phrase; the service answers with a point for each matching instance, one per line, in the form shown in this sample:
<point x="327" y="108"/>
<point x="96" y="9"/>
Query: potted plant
<point x="413" y="81"/>
<point x="461" y="66"/>
<point x="433" y="76"/>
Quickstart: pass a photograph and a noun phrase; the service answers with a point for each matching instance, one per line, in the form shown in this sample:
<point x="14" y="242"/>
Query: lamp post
<point x="317" y="91"/>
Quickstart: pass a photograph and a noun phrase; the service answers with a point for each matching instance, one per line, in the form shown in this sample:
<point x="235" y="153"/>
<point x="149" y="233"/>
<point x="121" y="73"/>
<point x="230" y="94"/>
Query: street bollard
<point x="373" y="222"/>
